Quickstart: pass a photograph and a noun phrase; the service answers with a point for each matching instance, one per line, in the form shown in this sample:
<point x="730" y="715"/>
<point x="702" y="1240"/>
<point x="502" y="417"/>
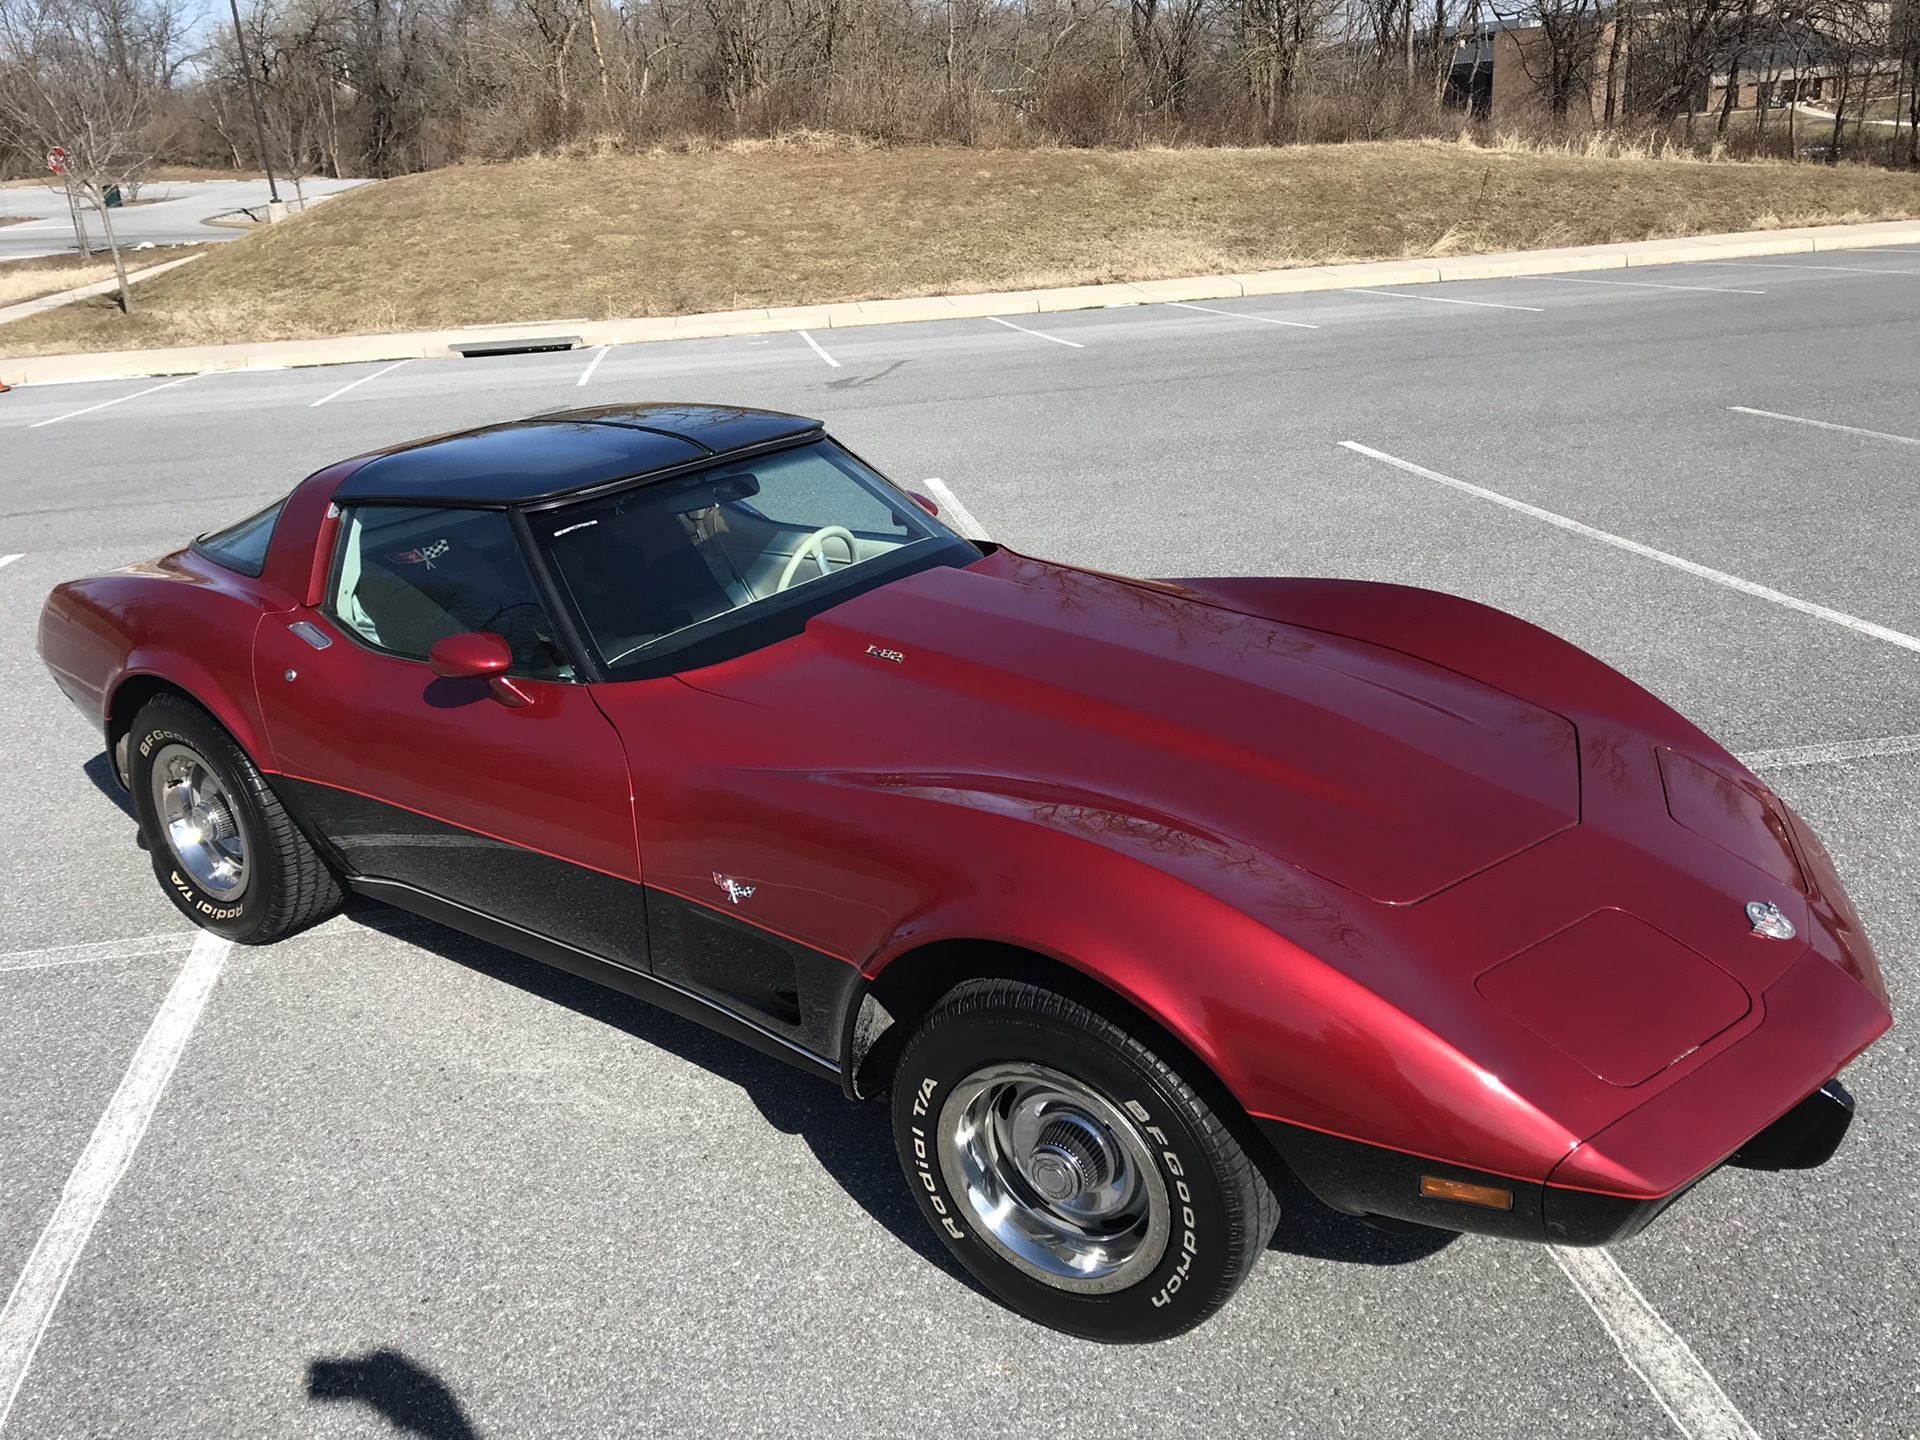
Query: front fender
<point x="1471" y="639"/>
<point x="1289" y="1036"/>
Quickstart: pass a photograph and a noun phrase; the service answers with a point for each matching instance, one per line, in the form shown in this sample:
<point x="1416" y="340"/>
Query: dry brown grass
<point x="674" y="232"/>
<point x="48" y="274"/>
<point x="30" y="279"/>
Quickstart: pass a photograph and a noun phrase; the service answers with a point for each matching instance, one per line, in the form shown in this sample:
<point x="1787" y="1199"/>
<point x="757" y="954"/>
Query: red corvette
<point x="1135" y="895"/>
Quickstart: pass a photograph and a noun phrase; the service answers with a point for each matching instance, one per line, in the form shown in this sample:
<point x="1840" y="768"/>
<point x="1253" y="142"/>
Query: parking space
<point x="401" y="1178"/>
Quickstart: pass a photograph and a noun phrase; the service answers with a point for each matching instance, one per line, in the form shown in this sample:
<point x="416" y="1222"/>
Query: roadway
<point x="397" y="1173"/>
<point x="168" y="213"/>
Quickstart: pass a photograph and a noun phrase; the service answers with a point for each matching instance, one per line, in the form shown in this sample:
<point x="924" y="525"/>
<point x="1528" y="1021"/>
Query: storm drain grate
<point x="514" y="345"/>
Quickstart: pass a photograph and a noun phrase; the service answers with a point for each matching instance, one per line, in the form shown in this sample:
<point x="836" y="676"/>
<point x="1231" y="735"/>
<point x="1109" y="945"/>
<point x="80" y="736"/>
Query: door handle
<point x="311" y="633"/>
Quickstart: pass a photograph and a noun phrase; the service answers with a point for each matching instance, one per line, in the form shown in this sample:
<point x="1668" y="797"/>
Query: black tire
<point x="288" y="886"/>
<point x="1220" y="1209"/>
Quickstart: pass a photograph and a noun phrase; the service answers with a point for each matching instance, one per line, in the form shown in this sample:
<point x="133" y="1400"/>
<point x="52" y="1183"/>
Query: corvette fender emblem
<point x="880" y="652"/>
<point x="1766" y="919"/>
<point x="736" y="892"/>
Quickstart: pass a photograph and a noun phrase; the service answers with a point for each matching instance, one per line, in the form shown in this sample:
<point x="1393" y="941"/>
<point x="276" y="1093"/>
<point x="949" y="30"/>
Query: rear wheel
<point x="1073" y="1171"/>
<point x="223" y="848"/>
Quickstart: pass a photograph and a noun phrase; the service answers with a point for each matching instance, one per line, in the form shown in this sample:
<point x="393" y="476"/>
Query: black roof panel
<point x="717" y="427"/>
<point x="553" y="455"/>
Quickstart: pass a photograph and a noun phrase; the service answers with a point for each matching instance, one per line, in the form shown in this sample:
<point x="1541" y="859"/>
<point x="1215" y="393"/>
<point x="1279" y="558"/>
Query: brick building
<point x="1510" y="70"/>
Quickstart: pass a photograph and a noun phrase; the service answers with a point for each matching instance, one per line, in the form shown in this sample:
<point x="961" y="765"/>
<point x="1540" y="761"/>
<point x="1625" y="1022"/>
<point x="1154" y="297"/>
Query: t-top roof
<point x="546" y="456"/>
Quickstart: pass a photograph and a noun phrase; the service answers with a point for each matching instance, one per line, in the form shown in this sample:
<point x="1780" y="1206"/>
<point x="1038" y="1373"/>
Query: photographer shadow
<point x="409" y="1397"/>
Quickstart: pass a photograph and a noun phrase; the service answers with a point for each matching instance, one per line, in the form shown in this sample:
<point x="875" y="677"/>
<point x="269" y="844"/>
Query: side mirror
<point x="478" y="655"/>
<point x="925" y="502"/>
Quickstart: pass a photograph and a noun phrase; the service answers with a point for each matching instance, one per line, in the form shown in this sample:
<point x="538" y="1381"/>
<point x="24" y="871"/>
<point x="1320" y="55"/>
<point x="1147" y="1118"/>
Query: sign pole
<point x="253" y="96"/>
<point x="57" y="163"/>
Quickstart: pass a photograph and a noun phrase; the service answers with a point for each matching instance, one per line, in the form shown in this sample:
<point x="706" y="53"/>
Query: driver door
<point x="521" y="813"/>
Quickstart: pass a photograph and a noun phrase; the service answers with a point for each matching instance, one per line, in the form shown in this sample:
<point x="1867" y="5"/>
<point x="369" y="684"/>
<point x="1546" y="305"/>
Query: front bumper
<point x="1767" y="1101"/>
<point x="1805" y="1137"/>
<point x="1372" y="1182"/>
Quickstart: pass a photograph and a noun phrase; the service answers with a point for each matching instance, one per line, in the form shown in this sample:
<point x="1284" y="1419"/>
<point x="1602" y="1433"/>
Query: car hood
<point x="1380" y="773"/>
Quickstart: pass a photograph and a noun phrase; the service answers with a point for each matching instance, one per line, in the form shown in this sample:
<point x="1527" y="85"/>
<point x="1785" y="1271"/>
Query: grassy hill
<point x="752" y="225"/>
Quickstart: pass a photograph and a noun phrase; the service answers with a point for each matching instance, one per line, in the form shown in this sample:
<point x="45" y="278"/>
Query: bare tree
<point x="1906" y="48"/>
<point x="83" y="77"/>
<point x="1561" y="61"/>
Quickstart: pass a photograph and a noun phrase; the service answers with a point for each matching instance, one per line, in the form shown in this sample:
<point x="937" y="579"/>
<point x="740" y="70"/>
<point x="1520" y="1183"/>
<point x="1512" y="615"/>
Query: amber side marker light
<point x="1492" y="1197"/>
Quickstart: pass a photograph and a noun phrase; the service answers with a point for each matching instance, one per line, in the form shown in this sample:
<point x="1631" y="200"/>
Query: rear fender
<point x="230" y="698"/>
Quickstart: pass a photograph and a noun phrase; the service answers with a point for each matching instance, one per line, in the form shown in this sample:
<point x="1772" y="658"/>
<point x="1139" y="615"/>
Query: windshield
<point x="660" y="569"/>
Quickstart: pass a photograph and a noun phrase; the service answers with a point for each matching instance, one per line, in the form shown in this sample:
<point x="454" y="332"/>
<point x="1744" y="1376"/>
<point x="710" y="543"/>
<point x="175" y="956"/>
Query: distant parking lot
<point x="400" y="1178"/>
<point x="169" y="212"/>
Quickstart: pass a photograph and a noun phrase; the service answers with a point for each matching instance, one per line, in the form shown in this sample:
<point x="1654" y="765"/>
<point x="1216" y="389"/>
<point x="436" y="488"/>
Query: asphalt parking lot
<point x="399" y="1178"/>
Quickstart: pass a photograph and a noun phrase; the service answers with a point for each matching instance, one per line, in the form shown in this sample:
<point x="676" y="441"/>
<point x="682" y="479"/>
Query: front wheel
<point x="224" y="849"/>
<point x="1072" y="1171"/>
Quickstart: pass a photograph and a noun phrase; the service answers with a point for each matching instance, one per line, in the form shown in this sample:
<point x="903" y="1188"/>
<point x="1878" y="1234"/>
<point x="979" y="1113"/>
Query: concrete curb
<point x="99" y="287"/>
<point x="436" y="344"/>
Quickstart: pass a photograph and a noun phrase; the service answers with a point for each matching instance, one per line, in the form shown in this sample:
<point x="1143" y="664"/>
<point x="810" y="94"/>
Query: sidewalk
<point x="439" y="344"/>
<point x="99" y="287"/>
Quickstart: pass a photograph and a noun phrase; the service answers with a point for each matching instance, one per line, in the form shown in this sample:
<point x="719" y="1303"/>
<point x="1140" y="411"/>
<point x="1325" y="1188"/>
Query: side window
<point x="407" y="577"/>
<point x="242" y="546"/>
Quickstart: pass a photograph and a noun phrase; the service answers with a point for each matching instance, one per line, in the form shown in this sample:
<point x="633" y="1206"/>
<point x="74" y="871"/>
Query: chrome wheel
<point x="200" y="823"/>
<point x="1055" y="1176"/>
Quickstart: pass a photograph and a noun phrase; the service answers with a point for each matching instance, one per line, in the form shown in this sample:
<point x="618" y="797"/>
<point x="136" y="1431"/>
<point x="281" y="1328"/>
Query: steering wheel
<point x="815" y="545"/>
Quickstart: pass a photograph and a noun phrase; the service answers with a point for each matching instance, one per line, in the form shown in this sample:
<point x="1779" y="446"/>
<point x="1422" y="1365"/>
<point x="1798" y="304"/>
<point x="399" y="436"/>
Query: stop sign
<point x="57" y="160"/>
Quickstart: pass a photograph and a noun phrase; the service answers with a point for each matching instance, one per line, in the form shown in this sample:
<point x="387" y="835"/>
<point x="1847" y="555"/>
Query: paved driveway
<point x="177" y="214"/>
<point x="399" y="1175"/>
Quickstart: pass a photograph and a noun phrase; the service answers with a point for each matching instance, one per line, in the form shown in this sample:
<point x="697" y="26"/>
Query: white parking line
<point x="1684" y="1388"/>
<point x="1843" y="269"/>
<point x="1833" y="752"/>
<point x="1648" y="285"/>
<point x="37" y="1292"/>
<point x="1719" y="577"/>
<point x="355" y="384"/>
<point x="1236" y="315"/>
<point x="105" y="403"/>
<point x="953" y="511"/>
<point x="6" y="560"/>
<point x="99" y="950"/>
<point x="818" y="351"/>
<point x="1444" y="300"/>
<point x="593" y="365"/>
<point x="1825" y="425"/>
<point x="1037" y="334"/>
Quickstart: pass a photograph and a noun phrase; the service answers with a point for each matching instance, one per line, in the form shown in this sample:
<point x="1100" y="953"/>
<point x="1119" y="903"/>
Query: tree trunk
<point x="1839" y="118"/>
<point x="1913" y="110"/>
<point x="599" y="59"/>
<point x="99" y="198"/>
<point x="1614" y="39"/>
